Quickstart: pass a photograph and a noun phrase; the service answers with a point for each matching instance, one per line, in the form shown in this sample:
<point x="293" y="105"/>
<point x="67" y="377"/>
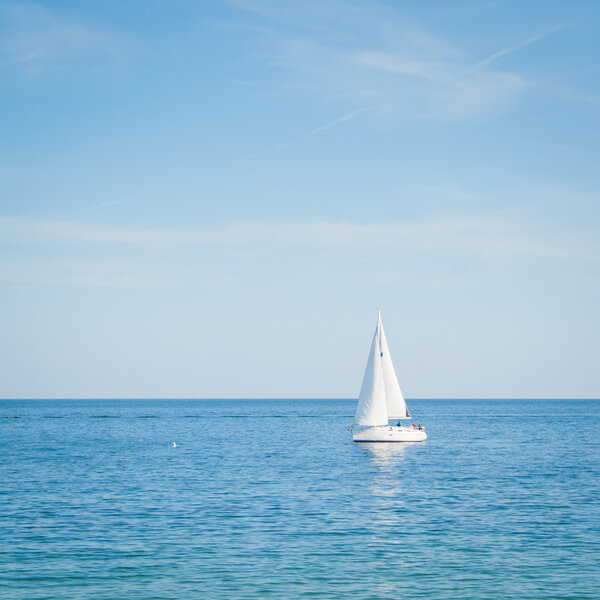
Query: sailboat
<point x="381" y="399"/>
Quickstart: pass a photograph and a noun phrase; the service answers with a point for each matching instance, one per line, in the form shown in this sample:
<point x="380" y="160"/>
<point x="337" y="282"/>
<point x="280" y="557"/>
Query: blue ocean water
<point x="272" y="499"/>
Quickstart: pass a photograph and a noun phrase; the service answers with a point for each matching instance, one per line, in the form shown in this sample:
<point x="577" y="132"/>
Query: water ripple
<point x="272" y="499"/>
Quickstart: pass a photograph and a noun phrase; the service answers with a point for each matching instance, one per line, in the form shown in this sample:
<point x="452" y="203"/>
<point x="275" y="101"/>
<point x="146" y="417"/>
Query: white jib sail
<point x="396" y="406"/>
<point x="371" y="409"/>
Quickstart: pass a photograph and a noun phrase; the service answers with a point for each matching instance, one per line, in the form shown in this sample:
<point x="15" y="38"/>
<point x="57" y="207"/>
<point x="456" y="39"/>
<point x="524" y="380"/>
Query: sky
<point x="212" y="199"/>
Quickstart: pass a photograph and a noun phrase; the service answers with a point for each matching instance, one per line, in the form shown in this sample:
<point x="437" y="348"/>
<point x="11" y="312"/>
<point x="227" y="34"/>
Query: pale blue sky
<point x="211" y="199"/>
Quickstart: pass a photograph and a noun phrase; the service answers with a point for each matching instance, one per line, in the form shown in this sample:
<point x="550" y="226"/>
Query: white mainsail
<point x="380" y="395"/>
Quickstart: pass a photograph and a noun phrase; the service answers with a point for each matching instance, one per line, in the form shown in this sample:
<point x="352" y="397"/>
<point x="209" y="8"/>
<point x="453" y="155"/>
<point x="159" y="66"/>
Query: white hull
<point x="389" y="434"/>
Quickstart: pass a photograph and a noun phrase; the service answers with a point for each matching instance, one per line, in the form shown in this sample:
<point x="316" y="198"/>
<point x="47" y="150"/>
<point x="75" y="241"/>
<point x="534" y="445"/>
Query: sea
<point x="248" y="499"/>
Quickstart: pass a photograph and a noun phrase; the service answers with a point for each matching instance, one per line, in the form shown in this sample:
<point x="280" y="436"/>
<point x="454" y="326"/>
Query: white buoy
<point x="174" y="445"/>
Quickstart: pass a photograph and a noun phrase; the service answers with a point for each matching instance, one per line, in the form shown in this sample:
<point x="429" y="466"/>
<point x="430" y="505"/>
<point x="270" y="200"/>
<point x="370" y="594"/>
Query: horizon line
<point x="348" y="399"/>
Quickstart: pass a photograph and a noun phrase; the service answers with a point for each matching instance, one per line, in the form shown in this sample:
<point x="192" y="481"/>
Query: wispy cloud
<point x="35" y="36"/>
<point x="369" y="54"/>
<point x="338" y="121"/>
<point x="439" y="89"/>
<point x="270" y="150"/>
<point x="554" y="146"/>
<point x="509" y="49"/>
<point x="106" y="204"/>
<point x="484" y="236"/>
<point x="73" y="271"/>
<point x="69" y="252"/>
<point x="567" y="91"/>
<point x="328" y="125"/>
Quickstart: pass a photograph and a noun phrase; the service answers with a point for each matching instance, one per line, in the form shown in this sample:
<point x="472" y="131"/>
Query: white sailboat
<point x="381" y="399"/>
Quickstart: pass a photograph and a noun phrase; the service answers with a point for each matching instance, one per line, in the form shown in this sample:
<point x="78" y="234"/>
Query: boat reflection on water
<point x="388" y="454"/>
<point x="388" y="483"/>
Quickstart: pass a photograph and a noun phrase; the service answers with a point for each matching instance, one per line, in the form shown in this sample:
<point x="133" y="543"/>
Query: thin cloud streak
<point x="270" y="150"/>
<point x="488" y="236"/>
<point x="509" y="49"/>
<point x="338" y="121"/>
<point x="313" y="132"/>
